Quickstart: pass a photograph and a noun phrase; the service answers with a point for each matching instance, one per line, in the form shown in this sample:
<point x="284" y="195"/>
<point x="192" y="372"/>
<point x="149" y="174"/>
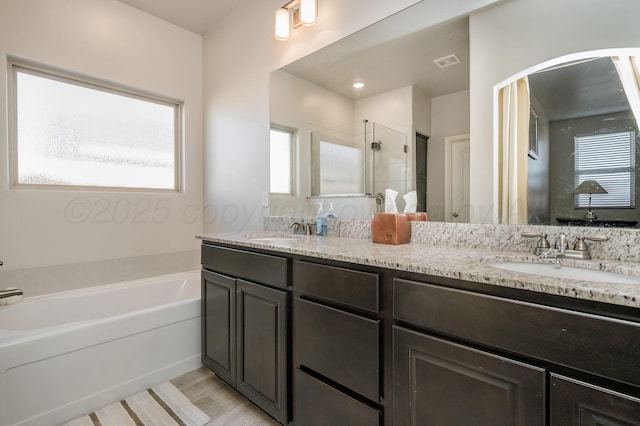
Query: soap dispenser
<point x="331" y="213"/>
<point x="321" y="222"/>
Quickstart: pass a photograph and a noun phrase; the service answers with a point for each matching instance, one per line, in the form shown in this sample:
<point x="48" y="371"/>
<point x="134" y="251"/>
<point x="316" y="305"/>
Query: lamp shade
<point x="308" y="12"/>
<point x="283" y="26"/>
<point x="590" y="187"/>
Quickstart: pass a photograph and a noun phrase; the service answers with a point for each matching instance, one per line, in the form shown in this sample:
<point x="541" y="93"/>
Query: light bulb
<point x="283" y="27"/>
<point x="308" y="12"/>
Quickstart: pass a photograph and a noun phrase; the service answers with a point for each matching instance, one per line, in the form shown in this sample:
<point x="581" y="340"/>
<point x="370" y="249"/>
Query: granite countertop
<point x="470" y="264"/>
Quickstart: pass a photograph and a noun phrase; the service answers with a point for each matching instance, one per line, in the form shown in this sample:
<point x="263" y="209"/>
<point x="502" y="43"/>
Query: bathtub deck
<point x="224" y="405"/>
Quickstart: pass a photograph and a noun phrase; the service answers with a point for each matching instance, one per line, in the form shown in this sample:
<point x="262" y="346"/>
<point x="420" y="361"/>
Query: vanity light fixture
<point x="308" y="12"/>
<point x="300" y="12"/>
<point x="283" y="26"/>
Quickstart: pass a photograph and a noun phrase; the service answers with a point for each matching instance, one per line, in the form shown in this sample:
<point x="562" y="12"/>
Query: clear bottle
<point x="321" y="222"/>
<point x="331" y="213"/>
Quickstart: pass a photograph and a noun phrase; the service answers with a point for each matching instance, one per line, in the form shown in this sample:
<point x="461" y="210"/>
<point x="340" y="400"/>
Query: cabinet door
<point x="575" y="403"/>
<point x="437" y="382"/>
<point x="219" y="325"/>
<point x="262" y="347"/>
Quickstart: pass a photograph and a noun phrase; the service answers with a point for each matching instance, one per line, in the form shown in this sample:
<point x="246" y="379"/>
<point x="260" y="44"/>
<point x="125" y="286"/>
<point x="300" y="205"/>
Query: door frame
<point x="448" y="141"/>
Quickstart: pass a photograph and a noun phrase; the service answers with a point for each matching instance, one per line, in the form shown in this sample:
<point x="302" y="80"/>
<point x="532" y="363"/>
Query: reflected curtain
<point x="514" y="106"/>
<point x="627" y="67"/>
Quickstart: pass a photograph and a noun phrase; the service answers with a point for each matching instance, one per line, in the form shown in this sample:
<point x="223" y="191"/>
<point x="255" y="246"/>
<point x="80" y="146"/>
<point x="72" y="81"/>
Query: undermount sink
<point x="272" y="238"/>
<point x="570" y="272"/>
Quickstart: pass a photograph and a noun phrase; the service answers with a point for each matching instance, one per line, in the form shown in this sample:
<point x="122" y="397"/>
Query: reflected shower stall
<point x="359" y="160"/>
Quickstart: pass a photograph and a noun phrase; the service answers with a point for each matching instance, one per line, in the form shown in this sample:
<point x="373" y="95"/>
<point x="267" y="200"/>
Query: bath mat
<point x="162" y="405"/>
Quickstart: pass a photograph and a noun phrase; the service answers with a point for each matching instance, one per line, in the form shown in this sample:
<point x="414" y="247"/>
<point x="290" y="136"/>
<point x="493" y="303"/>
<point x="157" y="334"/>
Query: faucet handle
<point x="543" y="242"/>
<point x="297" y="226"/>
<point x="533" y="235"/>
<point x="581" y="245"/>
<point x="599" y="238"/>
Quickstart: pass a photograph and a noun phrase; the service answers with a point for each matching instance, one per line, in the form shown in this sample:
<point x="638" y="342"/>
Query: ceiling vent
<point x="447" y="61"/>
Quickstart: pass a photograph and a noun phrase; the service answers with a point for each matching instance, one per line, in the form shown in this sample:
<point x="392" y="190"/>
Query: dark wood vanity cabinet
<point x="459" y="358"/>
<point x="372" y="346"/>
<point x="336" y="346"/>
<point x="245" y="325"/>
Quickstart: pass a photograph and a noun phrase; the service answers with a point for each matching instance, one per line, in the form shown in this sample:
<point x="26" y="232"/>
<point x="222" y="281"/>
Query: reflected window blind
<point x="609" y="159"/>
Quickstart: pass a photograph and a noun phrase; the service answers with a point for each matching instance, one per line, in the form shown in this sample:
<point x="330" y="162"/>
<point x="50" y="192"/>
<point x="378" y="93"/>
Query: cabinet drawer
<point x="338" y="345"/>
<point x="344" y="286"/>
<point x="261" y="268"/>
<point x="316" y="403"/>
<point x="578" y="403"/>
<point x="556" y="335"/>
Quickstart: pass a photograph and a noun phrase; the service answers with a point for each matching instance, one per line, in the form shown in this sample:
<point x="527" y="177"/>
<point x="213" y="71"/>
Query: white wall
<point x="239" y="54"/>
<point x="111" y="41"/>
<point x="516" y="35"/>
<point x="449" y="117"/>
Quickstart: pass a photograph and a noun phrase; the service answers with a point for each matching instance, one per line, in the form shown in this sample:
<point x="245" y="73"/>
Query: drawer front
<point x="318" y="404"/>
<point x="261" y="268"/>
<point x="344" y="286"/>
<point x="338" y="345"/>
<point x="578" y="403"/>
<point x="556" y="335"/>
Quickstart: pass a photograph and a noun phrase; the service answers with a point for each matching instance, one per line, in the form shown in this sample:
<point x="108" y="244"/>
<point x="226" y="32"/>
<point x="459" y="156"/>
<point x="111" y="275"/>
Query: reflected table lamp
<point x="590" y="187"/>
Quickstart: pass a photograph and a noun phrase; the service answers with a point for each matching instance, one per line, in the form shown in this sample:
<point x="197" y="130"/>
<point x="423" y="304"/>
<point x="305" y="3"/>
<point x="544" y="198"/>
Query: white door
<point x="457" y="179"/>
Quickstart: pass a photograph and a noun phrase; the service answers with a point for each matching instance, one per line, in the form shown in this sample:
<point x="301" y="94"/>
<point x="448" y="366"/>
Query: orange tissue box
<point x="391" y="228"/>
<point x="417" y="217"/>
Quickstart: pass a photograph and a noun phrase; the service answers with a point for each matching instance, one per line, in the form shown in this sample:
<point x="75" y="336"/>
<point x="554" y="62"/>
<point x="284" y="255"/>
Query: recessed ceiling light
<point x="358" y="85"/>
<point x="447" y="61"/>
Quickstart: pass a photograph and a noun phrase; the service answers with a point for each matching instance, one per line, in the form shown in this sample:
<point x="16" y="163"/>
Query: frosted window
<point x="281" y="164"/>
<point x="341" y="171"/>
<point x="71" y="133"/>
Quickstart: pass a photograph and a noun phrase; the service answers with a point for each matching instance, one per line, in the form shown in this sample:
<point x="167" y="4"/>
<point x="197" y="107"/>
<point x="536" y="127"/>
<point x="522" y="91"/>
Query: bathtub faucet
<point x="10" y="295"/>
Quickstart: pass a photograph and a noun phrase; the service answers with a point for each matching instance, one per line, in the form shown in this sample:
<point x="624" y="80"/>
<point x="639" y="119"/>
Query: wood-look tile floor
<point x="219" y="401"/>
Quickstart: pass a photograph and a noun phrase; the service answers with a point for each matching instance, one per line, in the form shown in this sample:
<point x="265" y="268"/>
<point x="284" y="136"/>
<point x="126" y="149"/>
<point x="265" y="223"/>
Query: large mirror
<point x="354" y="143"/>
<point x="405" y="90"/>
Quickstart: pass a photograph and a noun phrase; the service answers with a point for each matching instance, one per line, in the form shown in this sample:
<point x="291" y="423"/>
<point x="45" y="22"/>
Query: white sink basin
<point x="569" y="272"/>
<point x="273" y="238"/>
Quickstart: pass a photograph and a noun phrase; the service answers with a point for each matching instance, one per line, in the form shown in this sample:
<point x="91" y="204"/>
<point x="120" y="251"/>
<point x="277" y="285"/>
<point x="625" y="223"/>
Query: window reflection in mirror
<point x="281" y="160"/>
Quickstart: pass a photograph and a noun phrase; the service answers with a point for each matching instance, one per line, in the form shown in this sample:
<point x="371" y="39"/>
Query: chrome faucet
<point x="560" y="249"/>
<point x="302" y="228"/>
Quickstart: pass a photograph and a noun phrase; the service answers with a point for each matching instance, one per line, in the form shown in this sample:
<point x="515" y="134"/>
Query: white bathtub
<point x="66" y="354"/>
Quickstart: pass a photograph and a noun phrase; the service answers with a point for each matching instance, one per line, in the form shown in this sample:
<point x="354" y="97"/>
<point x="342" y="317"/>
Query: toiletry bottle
<point x="321" y="224"/>
<point x="331" y="213"/>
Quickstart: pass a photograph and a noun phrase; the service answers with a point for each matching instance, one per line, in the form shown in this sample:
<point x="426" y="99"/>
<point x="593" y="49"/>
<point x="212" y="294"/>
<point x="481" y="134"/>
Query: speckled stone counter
<point x="465" y="263"/>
